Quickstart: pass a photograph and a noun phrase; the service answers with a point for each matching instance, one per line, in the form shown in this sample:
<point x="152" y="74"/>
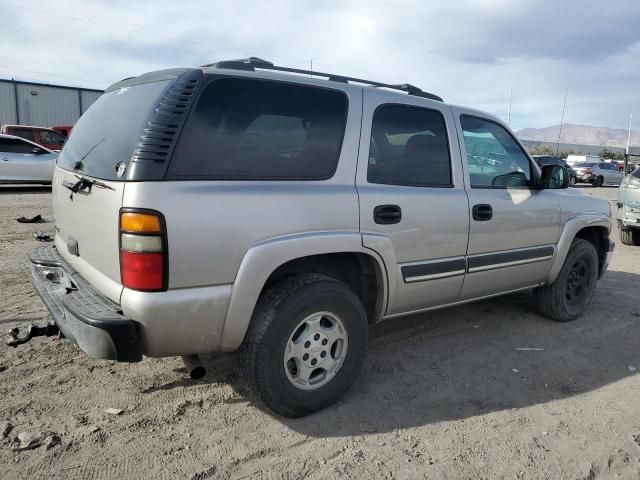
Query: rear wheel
<point x="630" y="236"/>
<point x="569" y="295"/>
<point x="598" y="182"/>
<point x="305" y="345"/>
<point x="572" y="181"/>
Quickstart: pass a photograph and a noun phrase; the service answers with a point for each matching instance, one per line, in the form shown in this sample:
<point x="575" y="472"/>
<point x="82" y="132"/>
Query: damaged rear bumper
<point x="88" y="319"/>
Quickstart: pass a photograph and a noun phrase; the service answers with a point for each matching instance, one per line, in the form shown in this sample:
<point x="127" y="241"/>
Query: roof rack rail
<point x="252" y="63"/>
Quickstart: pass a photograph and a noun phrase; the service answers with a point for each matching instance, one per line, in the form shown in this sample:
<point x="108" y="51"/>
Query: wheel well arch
<point x="360" y="271"/>
<point x="599" y="238"/>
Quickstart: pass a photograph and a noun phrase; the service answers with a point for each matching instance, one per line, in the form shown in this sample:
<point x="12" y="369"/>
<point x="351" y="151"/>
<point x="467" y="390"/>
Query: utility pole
<point x="626" y="152"/>
<point x="564" y="106"/>
<point x="509" y="113"/>
<point x="311" y="62"/>
<point x="629" y="133"/>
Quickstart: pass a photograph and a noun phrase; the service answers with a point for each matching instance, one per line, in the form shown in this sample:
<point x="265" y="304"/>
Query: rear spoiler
<point x="157" y="76"/>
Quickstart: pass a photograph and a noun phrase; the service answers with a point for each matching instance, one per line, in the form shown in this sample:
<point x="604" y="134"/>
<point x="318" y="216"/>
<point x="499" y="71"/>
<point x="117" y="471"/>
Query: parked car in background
<point x="46" y="137"/>
<point x="543" y="160"/>
<point x="22" y="161"/>
<point x="573" y="159"/>
<point x="598" y="174"/>
<point x="619" y="165"/>
<point x="629" y="209"/>
<point x="63" y="130"/>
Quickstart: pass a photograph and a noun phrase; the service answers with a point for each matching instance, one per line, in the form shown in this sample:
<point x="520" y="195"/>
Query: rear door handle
<point x="387" y="214"/>
<point x="482" y="212"/>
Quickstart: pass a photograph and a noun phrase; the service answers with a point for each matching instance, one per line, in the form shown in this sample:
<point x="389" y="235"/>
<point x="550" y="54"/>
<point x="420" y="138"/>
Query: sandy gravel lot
<point x="443" y="395"/>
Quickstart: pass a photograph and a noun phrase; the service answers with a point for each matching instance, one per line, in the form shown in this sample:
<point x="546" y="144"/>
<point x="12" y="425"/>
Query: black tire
<point x="563" y="300"/>
<point x="573" y="181"/>
<point x="598" y="182"/>
<point x="278" y="312"/>
<point x="630" y="236"/>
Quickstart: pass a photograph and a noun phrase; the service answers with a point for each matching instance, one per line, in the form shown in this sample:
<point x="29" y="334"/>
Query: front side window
<point x="409" y="147"/>
<point x="494" y="158"/>
<point x="51" y="138"/>
<point x="246" y="129"/>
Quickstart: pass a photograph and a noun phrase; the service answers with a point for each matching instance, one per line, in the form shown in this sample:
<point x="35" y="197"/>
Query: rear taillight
<point x="143" y="250"/>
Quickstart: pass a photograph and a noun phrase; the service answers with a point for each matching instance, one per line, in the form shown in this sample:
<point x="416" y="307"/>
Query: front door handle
<point x="5" y="159"/>
<point x="387" y="214"/>
<point x="482" y="212"/>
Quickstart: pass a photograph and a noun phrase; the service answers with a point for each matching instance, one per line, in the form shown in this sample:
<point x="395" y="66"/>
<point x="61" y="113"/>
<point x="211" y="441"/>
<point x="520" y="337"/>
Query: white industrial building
<point x="29" y="103"/>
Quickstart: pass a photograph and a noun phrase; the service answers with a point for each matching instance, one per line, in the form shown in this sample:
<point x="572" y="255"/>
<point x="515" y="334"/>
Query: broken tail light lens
<point x="143" y="250"/>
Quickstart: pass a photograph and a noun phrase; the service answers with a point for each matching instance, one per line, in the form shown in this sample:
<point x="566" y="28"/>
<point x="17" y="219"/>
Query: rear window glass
<point x="13" y="145"/>
<point x="24" y="133"/>
<point x="109" y="131"/>
<point x="584" y="165"/>
<point x="244" y="129"/>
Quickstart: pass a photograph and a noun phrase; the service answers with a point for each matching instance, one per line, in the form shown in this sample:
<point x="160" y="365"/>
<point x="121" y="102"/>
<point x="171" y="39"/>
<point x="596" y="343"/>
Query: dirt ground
<point x="443" y="395"/>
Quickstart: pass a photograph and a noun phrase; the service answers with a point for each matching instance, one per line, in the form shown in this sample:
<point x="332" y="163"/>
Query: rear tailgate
<point x="128" y="122"/>
<point x="87" y="230"/>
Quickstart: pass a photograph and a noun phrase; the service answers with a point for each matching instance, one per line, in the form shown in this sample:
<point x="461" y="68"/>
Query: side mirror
<point x="554" y="177"/>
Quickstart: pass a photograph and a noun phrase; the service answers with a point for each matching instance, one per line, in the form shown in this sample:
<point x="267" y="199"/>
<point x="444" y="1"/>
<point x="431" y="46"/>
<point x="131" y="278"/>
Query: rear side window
<point x="12" y="145"/>
<point x="494" y="158"/>
<point x="246" y="129"/>
<point x="409" y="147"/>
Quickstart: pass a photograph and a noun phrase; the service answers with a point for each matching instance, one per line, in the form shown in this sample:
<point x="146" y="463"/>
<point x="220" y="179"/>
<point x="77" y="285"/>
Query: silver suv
<point x="247" y="207"/>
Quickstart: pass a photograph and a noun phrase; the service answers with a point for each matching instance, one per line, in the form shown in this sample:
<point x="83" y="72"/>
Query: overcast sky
<point x="471" y="52"/>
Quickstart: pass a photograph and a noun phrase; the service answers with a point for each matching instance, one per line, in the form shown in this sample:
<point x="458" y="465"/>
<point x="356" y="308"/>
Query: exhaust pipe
<point x="195" y="369"/>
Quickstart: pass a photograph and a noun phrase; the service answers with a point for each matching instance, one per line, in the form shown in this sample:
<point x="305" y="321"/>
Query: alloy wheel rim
<point x="315" y="351"/>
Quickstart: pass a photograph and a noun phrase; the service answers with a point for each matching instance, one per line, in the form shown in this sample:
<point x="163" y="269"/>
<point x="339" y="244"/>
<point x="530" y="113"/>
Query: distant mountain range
<point x="581" y="134"/>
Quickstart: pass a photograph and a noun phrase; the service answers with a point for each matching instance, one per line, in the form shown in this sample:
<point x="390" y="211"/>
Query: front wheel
<point x="305" y="344"/>
<point x="572" y="181"/>
<point x="569" y="295"/>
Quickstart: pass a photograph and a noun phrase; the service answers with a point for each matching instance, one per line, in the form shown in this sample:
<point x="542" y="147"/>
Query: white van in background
<point x="573" y="159"/>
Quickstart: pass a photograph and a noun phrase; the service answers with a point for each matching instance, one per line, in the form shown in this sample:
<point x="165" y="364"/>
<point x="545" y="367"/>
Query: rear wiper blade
<point x="84" y="185"/>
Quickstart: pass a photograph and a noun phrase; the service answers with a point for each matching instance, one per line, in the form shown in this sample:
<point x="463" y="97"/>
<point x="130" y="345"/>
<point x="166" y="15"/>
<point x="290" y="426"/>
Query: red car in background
<point x="46" y="137"/>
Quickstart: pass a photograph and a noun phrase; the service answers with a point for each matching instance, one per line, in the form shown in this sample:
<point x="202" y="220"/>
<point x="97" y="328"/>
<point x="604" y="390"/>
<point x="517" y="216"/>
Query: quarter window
<point x="409" y="147"/>
<point x="494" y="158"/>
<point x="245" y="129"/>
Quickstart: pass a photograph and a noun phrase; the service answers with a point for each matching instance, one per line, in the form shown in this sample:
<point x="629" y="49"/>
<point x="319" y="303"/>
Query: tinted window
<point x="494" y="158"/>
<point x="245" y="129"/>
<point x="24" y="133"/>
<point x="13" y="145"/>
<point x="410" y="147"/>
<point x="109" y="131"/>
<point x="51" y="138"/>
<point x="583" y="165"/>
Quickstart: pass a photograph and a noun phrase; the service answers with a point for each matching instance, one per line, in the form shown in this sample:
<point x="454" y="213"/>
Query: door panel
<point x="513" y="248"/>
<point x="430" y="238"/>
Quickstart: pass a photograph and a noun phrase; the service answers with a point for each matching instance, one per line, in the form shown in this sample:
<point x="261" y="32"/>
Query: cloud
<point x="471" y="52"/>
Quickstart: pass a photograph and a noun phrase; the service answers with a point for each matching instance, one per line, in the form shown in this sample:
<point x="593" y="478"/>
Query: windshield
<point x="108" y="132"/>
